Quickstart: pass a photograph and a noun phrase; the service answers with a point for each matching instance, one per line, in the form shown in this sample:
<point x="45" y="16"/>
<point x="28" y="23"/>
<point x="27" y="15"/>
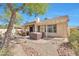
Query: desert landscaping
<point x="24" y="46"/>
<point x="38" y="29"/>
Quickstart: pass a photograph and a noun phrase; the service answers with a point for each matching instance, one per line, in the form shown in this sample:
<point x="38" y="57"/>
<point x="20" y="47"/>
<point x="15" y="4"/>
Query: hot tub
<point x="35" y="35"/>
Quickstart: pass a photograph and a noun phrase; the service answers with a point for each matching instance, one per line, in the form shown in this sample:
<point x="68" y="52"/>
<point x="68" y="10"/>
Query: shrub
<point x="22" y="32"/>
<point x="5" y="52"/>
<point x="74" y="40"/>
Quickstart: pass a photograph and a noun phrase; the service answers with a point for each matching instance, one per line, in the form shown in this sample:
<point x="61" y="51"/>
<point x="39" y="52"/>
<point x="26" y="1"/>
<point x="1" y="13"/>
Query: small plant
<point x="5" y="52"/>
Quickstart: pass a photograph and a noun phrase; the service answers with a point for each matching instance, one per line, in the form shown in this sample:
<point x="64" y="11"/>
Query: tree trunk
<point x="8" y="33"/>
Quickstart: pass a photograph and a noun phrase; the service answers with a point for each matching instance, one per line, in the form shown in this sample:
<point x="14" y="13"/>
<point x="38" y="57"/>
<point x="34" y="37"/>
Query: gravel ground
<point x="27" y="47"/>
<point x="65" y="50"/>
<point x="44" y="49"/>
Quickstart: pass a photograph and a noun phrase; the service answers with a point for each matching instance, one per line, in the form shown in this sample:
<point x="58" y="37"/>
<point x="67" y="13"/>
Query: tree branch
<point x="20" y="8"/>
<point x="10" y="6"/>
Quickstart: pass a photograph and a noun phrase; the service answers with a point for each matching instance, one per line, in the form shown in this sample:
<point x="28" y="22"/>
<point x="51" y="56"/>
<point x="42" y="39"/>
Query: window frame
<point x="52" y="28"/>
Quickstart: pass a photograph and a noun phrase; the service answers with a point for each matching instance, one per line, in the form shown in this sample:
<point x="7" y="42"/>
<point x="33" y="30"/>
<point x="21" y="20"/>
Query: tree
<point x="28" y="8"/>
<point x="6" y="15"/>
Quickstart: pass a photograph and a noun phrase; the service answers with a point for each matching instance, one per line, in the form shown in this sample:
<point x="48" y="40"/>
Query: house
<point x="57" y="27"/>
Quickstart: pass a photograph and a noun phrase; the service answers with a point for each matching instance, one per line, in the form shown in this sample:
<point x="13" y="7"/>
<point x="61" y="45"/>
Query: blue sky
<point x="55" y="10"/>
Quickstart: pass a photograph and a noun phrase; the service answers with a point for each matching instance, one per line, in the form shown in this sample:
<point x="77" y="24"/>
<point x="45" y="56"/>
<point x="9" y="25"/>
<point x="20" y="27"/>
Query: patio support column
<point x="46" y="31"/>
<point x="28" y="29"/>
<point x="43" y="28"/>
<point x="35" y="28"/>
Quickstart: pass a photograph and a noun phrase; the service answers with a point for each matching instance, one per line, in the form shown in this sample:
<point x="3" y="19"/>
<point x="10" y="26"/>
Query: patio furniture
<point x="35" y="35"/>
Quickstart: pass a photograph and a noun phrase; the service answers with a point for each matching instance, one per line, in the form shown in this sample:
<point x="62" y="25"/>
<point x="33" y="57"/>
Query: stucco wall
<point x="62" y="30"/>
<point x="62" y="26"/>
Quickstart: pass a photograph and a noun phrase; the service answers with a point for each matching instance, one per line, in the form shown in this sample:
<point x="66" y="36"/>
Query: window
<point x="38" y="28"/>
<point x="51" y="28"/>
<point x="45" y="28"/>
<point x="55" y="28"/>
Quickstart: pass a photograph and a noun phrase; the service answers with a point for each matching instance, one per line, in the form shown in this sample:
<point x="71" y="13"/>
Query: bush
<point x="5" y="52"/>
<point x="22" y="33"/>
<point x="74" y="40"/>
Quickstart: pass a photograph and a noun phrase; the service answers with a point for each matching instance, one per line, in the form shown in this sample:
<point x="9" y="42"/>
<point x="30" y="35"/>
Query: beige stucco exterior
<point x="60" y="22"/>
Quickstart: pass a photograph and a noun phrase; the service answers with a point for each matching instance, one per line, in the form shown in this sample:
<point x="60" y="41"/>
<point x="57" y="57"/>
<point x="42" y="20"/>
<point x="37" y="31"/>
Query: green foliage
<point x="37" y="8"/>
<point x="74" y="40"/>
<point x="5" y="52"/>
<point x="27" y="8"/>
<point x="3" y="26"/>
<point x="6" y="16"/>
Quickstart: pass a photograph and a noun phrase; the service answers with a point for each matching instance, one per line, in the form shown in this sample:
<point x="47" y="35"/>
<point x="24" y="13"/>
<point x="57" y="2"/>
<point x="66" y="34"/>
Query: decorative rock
<point x="64" y="50"/>
<point x="30" y="51"/>
<point x="66" y="40"/>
